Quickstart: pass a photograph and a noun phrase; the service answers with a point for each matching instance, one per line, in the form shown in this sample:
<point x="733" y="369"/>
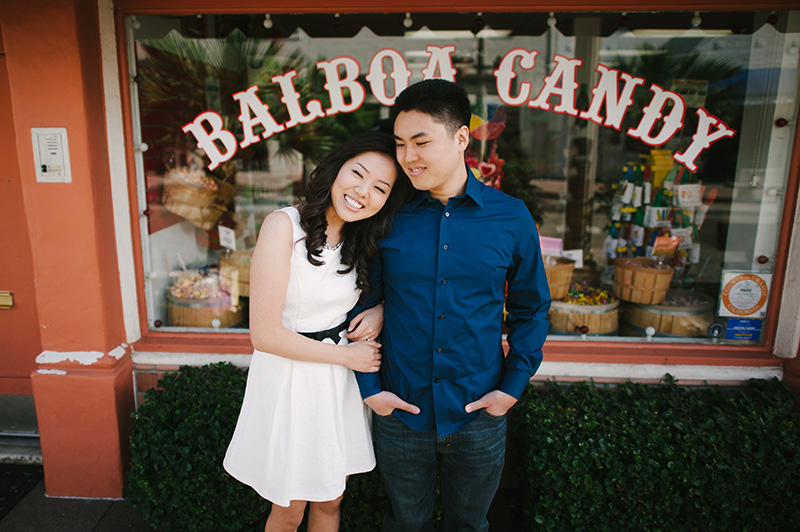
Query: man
<point x="444" y="386"/>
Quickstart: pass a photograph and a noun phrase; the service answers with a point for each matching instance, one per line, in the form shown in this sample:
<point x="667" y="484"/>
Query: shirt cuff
<point x="514" y="382"/>
<point x="368" y="383"/>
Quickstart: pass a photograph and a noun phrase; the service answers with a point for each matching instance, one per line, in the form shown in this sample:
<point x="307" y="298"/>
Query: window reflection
<point x="636" y="141"/>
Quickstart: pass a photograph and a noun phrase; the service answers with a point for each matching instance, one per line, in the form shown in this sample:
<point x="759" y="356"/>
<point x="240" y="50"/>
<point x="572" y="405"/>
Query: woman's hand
<point x="367" y="325"/>
<point x="363" y="356"/>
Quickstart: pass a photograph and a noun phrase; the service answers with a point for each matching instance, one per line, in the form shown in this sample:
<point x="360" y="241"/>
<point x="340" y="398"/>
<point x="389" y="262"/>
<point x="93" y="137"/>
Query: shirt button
<point x="447" y="215"/>
<point x="441" y="316"/>
<point x="444" y="281"/>
<point x="436" y="381"/>
<point x="444" y="247"/>
<point x="439" y="350"/>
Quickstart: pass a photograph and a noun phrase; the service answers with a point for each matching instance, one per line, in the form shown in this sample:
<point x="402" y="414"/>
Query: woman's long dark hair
<point x="360" y="239"/>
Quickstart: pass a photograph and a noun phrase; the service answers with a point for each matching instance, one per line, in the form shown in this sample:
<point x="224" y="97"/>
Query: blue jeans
<point x="469" y="463"/>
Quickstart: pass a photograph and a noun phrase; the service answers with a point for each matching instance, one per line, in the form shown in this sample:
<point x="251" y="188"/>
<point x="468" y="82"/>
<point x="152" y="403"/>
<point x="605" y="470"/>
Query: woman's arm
<point x="367" y="324"/>
<point x="269" y="278"/>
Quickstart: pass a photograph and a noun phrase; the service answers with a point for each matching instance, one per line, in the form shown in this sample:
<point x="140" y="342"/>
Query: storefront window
<point x="652" y="149"/>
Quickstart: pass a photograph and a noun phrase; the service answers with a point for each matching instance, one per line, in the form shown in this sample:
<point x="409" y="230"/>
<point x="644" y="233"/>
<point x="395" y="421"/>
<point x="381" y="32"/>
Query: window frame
<point x="613" y="351"/>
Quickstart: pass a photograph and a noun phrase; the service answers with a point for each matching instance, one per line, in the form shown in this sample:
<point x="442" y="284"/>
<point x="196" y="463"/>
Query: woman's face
<point x="362" y="186"/>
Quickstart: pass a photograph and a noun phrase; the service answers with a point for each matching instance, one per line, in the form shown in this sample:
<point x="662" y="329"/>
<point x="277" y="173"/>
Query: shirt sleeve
<point x="369" y="383"/>
<point x="527" y="303"/>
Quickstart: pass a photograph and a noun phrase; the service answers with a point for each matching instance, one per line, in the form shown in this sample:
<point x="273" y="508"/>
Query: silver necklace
<point x="332" y="248"/>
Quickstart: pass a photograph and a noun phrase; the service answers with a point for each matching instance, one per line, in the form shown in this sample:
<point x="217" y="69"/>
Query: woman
<point x="303" y="428"/>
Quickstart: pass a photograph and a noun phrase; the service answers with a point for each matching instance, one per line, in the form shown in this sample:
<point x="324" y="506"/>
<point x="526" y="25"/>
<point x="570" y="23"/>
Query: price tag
<point x="227" y="237"/>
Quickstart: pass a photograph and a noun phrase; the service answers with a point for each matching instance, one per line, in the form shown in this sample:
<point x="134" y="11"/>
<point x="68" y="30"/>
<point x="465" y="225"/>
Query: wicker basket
<point x="234" y="272"/>
<point x="568" y="318"/>
<point x="183" y="312"/>
<point x="199" y="206"/>
<point x="637" y="281"/>
<point x="559" y="275"/>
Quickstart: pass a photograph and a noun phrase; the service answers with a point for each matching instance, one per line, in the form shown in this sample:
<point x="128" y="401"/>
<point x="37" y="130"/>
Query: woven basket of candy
<point x="234" y="272"/>
<point x="682" y="313"/>
<point x="197" y="197"/>
<point x="585" y="310"/>
<point x="195" y="299"/>
<point x="641" y="280"/>
<point x="559" y="275"/>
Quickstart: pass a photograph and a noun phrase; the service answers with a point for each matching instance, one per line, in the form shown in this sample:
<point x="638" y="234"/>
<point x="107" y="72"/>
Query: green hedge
<point x="638" y="457"/>
<point x="180" y="435"/>
<point x="595" y="458"/>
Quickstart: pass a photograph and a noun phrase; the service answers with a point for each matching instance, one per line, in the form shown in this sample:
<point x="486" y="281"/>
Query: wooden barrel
<point x="183" y="312"/>
<point x="568" y="318"/>
<point x="559" y="275"/>
<point x="637" y="280"/>
<point x="669" y="319"/>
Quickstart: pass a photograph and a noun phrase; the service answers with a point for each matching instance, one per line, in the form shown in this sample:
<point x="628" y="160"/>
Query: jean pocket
<point x="483" y="412"/>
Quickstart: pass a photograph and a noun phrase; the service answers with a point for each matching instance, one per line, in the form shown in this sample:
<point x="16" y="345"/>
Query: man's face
<point x="432" y="157"/>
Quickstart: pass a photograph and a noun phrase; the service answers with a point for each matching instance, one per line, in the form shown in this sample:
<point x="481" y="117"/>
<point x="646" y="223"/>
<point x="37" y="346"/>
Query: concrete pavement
<point x="40" y="513"/>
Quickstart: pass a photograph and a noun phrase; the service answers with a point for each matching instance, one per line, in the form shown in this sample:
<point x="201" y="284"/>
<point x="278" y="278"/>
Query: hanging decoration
<point x="488" y="168"/>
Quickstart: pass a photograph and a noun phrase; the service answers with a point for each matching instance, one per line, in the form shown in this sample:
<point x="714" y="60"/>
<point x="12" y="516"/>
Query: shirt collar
<point x="473" y="191"/>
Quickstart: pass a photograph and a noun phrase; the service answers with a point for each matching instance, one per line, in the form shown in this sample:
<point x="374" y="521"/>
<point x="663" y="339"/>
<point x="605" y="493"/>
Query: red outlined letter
<point x="335" y="85"/>
<point x="377" y="76"/>
<point x="291" y="99"/>
<point x="439" y="59"/>
<point x="650" y="114"/>
<point x="702" y="139"/>
<point x="253" y="111"/>
<point x="606" y="91"/>
<point x="505" y="75"/>
<point x="563" y="72"/>
<point x="206" y="137"/>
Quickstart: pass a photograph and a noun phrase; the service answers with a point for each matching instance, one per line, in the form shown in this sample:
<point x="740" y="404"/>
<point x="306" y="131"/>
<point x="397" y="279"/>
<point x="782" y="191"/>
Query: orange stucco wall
<point x="19" y="325"/>
<point x="84" y="391"/>
<point x="84" y="423"/>
<point x="53" y="62"/>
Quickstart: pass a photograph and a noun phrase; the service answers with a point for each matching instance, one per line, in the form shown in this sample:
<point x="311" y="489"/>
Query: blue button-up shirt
<point x="441" y="274"/>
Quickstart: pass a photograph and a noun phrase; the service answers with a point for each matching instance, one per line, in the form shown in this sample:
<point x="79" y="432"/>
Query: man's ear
<point x="462" y="138"/>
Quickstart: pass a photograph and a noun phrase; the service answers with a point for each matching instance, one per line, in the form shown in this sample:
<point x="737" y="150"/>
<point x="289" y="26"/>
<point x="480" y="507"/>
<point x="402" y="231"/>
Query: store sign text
<point x="613" y="95"/>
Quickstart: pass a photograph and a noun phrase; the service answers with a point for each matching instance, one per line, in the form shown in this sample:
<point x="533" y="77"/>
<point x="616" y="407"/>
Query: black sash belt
<point x="333" y="333"/>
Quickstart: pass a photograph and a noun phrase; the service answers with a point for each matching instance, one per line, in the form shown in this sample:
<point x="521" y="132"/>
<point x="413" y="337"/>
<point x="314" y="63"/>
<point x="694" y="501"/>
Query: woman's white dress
<point x="303" y="427"/>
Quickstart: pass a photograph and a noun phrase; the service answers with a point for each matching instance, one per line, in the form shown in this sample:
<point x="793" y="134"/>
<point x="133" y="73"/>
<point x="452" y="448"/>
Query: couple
<point x="434" y="267"/>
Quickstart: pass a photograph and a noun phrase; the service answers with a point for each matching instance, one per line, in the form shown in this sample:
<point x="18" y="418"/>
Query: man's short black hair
<point x="445" y="101"/>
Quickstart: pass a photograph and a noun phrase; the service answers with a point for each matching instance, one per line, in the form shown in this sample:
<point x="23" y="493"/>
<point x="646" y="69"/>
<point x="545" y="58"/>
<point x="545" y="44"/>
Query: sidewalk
<point x="39" y="513"/>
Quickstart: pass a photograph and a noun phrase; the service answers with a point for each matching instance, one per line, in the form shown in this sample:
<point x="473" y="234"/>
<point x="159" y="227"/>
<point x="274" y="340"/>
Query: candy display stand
<point x="195" y="196"/>
<point x="682" y="313"/>
<point x="559" y="275"/>
<point x="195" y="299"/>
<point x="185" y="312"/>
<point x="641" y="280"/>
<point x="570" y="318"/>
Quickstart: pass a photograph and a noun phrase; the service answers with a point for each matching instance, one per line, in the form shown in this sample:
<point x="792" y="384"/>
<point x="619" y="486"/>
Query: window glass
<point x="652" y="149"/>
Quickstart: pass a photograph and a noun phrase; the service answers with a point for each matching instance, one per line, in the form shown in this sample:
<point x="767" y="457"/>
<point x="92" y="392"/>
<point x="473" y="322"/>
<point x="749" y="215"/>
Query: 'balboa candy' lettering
<point x="613" y="95"/>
